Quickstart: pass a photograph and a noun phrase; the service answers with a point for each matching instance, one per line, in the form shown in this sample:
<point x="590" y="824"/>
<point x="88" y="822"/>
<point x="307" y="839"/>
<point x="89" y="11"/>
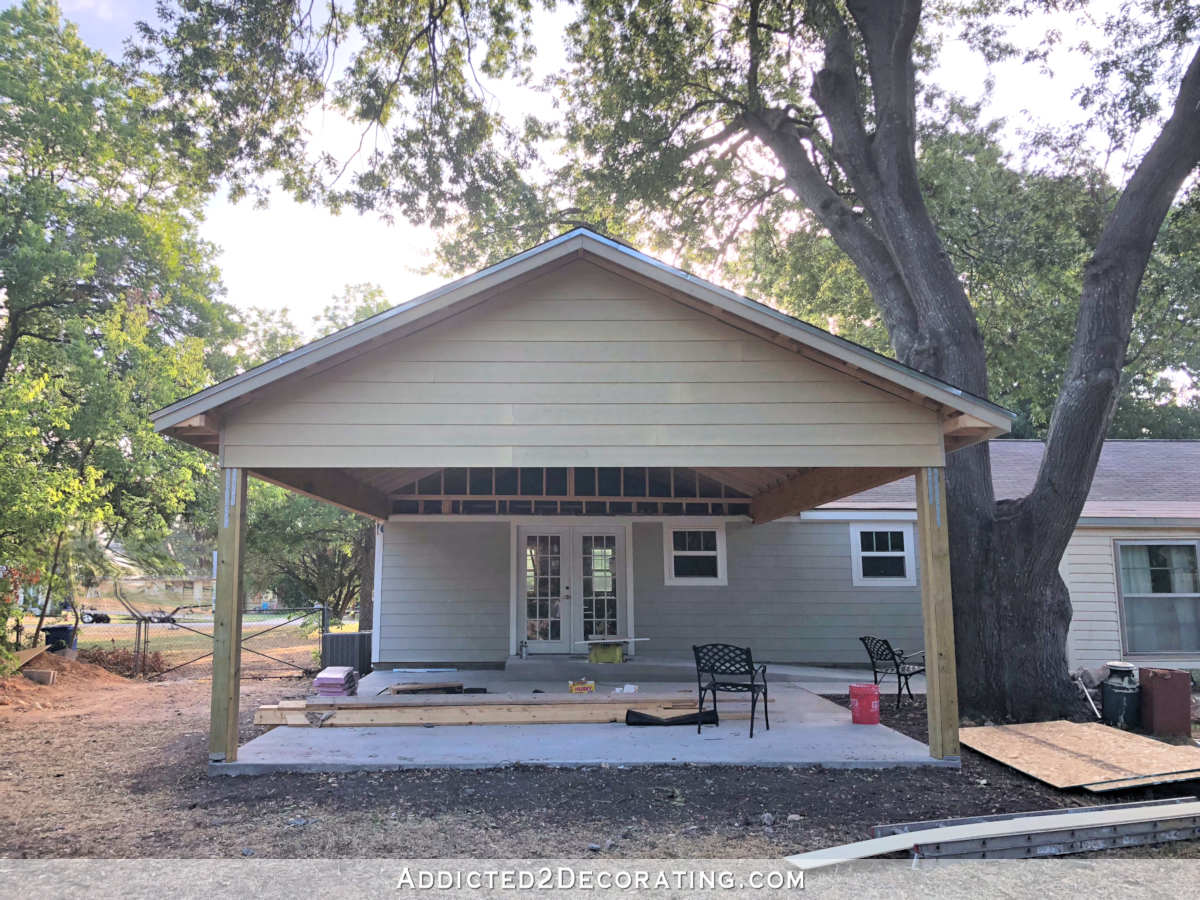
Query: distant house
<point x="1131" y="566"/>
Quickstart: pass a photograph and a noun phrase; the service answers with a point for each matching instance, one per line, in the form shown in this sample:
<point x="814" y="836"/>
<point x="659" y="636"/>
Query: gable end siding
<point x="580" y="367"/>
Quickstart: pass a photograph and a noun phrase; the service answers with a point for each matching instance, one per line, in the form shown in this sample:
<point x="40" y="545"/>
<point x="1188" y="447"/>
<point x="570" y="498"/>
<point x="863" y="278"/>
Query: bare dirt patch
<point x="103" y="766"/>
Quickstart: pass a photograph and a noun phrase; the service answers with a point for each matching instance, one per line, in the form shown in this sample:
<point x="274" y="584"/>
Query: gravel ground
<point x="101" y="766"/>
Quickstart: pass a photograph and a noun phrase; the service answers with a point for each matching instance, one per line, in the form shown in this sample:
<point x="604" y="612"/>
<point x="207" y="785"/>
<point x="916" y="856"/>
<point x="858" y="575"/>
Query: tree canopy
<point x="776" y="133"/>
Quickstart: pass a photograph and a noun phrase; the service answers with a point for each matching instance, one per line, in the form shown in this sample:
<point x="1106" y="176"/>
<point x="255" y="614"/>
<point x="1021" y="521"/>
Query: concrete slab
<point x="806" y="730"/>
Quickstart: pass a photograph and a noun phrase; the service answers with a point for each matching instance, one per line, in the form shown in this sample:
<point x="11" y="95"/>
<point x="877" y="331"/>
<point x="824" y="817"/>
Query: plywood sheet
<point x="1074" y="754"/>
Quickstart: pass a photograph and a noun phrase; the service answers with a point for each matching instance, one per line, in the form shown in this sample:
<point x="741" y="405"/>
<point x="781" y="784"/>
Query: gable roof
<point x="988" y="419"/>
<point x="1135" y="479"/>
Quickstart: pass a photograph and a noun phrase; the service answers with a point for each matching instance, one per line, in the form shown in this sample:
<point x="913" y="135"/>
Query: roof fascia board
<point x="368" y="329"/>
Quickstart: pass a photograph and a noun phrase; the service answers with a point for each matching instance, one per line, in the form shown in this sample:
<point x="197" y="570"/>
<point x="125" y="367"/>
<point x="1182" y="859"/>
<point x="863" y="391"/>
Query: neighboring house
<point x="1131" y="565"/>
<point x="582" y="440"/>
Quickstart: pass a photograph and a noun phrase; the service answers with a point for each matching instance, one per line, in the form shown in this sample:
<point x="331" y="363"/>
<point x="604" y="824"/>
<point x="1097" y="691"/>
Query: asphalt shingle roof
<point x="1134" y="479"/>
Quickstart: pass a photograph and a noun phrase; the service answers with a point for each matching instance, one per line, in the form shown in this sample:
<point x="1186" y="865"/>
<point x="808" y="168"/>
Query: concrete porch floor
<point x="806" y="730"/>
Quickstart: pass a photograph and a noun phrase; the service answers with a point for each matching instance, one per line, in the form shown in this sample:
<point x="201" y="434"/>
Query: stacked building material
<point x="336" y="681"/>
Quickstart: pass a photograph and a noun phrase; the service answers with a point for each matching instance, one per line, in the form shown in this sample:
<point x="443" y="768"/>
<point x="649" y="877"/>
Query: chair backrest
<point x="723" y="659"/>
<point x="878" y="649"/>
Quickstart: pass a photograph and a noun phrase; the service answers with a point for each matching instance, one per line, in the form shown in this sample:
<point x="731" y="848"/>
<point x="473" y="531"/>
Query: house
<point x="581" y="441"/>
<point x="1131" y="566"/>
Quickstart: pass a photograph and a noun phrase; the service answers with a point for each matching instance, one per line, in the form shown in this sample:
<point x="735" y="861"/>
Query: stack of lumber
<point x="336" y="681"/>
<point x="486" y="709"/>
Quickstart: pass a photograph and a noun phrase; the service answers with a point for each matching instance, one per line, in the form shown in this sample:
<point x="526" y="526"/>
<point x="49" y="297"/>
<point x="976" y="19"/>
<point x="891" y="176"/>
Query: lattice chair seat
<point x="886" y="660"/>
<point x="720" y="662"/>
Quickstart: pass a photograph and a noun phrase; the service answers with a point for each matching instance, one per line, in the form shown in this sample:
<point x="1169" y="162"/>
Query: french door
<point x="571" y="585"/>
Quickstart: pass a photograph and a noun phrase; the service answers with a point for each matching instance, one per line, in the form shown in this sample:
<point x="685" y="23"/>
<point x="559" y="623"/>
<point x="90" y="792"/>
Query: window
<point x="694" y="553"/>
<point x="1160" y="597"/>
<point x="882" y="554"/>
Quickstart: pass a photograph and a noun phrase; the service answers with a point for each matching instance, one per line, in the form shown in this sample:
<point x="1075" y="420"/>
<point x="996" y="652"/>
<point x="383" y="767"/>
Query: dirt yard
<point x="100" y="766"/>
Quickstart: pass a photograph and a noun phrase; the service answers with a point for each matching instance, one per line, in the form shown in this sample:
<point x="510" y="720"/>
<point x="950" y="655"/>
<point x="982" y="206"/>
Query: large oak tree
<point x="683" y="120"/>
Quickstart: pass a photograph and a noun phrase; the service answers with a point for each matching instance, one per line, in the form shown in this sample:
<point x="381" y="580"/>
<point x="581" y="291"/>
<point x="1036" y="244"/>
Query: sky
<point x="298" y="257"/>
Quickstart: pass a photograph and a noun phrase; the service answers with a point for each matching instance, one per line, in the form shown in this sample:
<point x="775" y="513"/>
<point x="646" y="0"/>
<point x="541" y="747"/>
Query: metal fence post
<point x="324" y="631"/>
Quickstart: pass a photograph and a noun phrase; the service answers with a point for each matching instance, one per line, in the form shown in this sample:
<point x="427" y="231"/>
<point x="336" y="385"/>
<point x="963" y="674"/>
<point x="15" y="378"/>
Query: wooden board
<point x="24" y="656"/>
<point x="1077" y="754"/>
<point x="522" y="714"/>
<point x="433" y="687"/>
<point x="897" y="843"/>
<point x="505" y="699"/>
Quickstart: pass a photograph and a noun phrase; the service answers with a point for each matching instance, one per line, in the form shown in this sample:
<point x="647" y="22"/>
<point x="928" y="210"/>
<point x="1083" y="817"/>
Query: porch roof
<point x="653" y="366"/>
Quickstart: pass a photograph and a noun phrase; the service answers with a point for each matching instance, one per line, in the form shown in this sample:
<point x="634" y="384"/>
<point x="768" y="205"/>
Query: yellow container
<point x="606" y="653"/>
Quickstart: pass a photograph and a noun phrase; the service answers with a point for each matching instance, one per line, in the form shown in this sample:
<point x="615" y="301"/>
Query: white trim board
<point x="377" y="582"/>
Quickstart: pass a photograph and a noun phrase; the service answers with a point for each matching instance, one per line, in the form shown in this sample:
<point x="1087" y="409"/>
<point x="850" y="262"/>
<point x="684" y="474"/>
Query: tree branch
<point x="1111" y="281"/>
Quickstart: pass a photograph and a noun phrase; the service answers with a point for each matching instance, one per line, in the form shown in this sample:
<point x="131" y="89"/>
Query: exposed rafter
<point x="333" y="486"/>
<point x="813" y="487"/>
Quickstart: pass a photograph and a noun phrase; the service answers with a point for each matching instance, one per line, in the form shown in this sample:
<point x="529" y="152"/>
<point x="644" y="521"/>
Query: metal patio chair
<point x="719" y="662"/>
<point x="885" y="661"/>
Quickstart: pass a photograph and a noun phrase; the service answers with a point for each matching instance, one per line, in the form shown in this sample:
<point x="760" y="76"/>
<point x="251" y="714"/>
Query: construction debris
<point x="24" y="656"/>
<point x="1049" y="833"/>
<point x="1084" y="754"/>
<point x="40" y="676"/>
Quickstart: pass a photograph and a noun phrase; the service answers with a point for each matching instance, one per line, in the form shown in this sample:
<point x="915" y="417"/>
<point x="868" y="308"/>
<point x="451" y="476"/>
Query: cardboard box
<point x="581" y="687"/>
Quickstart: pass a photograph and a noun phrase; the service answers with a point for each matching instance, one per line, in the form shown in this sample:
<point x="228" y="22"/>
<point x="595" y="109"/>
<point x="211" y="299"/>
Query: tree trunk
<point x="1011" y="607"/>
<point x="366" y="591"/>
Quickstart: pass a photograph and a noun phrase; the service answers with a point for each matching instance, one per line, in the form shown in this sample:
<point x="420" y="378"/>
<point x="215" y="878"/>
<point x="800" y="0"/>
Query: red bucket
<point x="864" y="704"/>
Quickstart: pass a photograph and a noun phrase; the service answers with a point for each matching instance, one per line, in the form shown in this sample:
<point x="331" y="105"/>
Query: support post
<point x="933" y="541"/>
<point x="227" y="618"/>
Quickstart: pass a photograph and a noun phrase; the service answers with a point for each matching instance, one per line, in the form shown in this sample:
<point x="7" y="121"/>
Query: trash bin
<point x="60" y="636"/>
<point x="864" y="704"/>
<point x="1166" y="702"/>
<point x="1119" y="696"/>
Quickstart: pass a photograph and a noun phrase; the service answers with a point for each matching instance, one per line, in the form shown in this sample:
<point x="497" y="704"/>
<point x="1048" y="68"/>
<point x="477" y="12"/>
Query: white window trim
<point x="910" y="554"/>
<point x="1122" y="596"/>
<point x="669" y="553"/>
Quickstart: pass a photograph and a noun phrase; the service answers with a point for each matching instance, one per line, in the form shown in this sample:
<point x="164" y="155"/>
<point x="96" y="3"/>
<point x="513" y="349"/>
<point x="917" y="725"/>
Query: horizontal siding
<point x="789" y="598"/>
<point x="580" y="367"/>
<point x="445" y="592"/>
<point x="1090" y="570"/>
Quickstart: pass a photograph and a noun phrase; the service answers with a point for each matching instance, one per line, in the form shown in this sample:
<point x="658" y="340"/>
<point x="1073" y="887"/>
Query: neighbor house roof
<point x="1135" y="479"/>
<point x="979" y="418"/>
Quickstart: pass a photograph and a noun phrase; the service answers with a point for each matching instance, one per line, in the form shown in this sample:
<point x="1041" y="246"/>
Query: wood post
<point x="227" y="618"/>
<point x="933" y="542"/>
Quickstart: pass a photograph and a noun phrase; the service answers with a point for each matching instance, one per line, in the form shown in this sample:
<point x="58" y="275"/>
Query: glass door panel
<point x="547" y="591"/>
<point x="598" y="575"/>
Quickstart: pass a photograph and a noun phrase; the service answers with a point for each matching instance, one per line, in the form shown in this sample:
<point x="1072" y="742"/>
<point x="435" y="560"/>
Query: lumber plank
<point x="227" y="618"/>
<point x="432" y="687"/>
<point x="506" y="714"/>
<point x="897" y="843"/>
<point x="933" y="543"/>
<point x="505" y="699"/>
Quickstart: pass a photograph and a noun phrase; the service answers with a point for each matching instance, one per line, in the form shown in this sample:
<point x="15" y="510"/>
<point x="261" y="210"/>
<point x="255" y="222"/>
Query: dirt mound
<point x="17" y="690"/>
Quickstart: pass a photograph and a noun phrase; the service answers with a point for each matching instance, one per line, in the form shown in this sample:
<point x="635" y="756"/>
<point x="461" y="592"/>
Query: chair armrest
<point x="761" y="670"/>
